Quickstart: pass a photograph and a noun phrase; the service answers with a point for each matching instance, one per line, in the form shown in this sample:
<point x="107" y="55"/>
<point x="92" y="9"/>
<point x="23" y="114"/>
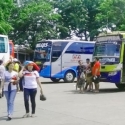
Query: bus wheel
<point x="55" y="79"/>
<point x="120" y="86"/>
<point x="69" y="77"/>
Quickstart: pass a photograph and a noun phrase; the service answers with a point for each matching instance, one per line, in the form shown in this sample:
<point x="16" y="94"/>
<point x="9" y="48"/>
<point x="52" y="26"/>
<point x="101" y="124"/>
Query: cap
<point x="30" y="64"/>
<point x="15" y="60"/>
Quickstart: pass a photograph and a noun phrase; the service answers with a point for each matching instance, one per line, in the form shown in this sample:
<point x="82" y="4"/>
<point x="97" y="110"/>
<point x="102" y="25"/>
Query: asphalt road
<point x="65" y="106"/>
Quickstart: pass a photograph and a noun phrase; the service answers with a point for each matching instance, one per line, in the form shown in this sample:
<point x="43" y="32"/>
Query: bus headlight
<point x="112" y="73"/>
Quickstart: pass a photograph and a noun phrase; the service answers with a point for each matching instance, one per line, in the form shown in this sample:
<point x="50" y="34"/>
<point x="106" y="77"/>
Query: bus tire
<point x="69" y="77"/>
<point x="120" y="86"/>
<point x="55" y="79"/>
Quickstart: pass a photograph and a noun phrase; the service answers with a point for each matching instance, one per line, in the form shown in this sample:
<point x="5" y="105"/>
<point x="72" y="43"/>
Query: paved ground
<point x="65" y="106"/>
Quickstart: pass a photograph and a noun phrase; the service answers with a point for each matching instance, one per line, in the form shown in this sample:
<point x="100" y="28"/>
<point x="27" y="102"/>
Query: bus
<point x="60" y="58"/>
<point x="110" y="49"/>
<point x="11" y="45"/>
<point x="4" y="48"/>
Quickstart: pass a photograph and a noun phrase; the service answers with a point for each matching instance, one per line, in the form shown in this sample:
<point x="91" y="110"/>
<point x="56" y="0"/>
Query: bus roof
<point x="115" y="33"/>
<point x="3" y="35"/>
<point x="59" y="40"/>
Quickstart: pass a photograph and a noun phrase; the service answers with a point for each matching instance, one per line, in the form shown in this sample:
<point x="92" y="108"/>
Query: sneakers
<point x="26" y="115"/>
<point x="9" y="117"/>
<point x="32" y="115"/>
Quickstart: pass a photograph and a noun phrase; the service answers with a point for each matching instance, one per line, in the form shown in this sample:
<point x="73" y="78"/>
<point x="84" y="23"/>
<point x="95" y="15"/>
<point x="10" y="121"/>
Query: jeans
<point x="32" y="94"/>
<point x="21" y="83"/>
<point x="1" y="87"/>
<point x="10" y="97"/>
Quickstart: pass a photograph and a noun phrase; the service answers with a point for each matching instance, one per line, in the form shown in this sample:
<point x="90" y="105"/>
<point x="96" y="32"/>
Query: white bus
<point x="60" y="58"/>
<point x="4" y="48"/>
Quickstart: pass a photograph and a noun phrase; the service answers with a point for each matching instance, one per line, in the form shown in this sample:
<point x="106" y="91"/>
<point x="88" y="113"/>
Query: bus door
<point x="56" y="60"/>
<point x="123" y="69"/>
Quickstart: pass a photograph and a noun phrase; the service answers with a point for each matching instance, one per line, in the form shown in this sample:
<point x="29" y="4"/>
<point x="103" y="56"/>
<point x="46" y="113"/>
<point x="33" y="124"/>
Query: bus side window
<point x="75" y="47"/>
<point x="88" y="48"/>
<point x="80" y="48"/>
<point x="55" y="55"/>
<point x="57" y="50"/>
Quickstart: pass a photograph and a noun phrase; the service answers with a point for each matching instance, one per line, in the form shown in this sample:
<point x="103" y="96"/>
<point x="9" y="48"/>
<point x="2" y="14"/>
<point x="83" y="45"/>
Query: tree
<point x="33" y="21"/>
<point x="79" y="16"/>
<point x="112" y="13"/>
<point x="92" y="10"/>
<point x="73" y="17"/>
<point x="6" y="7"/>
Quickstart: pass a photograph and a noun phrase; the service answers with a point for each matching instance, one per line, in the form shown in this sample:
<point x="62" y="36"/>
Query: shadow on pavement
<point x="5" y="118"/>
<point x="102" y="91"/>
<point x="110" y="90"/>
<point x="54" y="82"/>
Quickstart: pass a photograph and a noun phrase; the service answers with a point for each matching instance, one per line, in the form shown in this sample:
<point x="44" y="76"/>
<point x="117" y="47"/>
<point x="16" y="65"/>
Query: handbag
<point x="42" y="98"/>
<point x="82" y="76"/>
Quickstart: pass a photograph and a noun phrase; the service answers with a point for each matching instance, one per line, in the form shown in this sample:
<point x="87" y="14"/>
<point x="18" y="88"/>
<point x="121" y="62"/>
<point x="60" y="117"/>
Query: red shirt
<point x="96" y="66"/>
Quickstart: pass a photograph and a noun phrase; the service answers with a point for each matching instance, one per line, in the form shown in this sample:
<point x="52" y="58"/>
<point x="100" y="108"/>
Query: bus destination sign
<point x="108" y="38"/>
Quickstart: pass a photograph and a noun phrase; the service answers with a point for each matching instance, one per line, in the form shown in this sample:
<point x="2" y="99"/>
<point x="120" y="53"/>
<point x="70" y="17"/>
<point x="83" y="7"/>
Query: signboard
<point x="57" y="44"/>
<point x="75" y="57"/>
<point x="108" y="38"/>
<point x="109" y="60"/>
<point x="42" y="45"/>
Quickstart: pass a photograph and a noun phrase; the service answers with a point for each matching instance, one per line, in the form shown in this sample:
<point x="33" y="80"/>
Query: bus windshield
<point x="3" y="45"/>
<point x="107" y="49"/>
<point x="42" y="51"/>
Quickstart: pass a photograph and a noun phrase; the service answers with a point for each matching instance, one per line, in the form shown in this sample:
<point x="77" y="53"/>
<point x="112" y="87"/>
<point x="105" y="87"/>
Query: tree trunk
<point x="85" y="34"/>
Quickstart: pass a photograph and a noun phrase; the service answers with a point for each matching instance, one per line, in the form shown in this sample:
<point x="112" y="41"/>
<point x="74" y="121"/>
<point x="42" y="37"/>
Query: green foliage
<point x="73" y="17"/>
<point x="6" y="7"/>
<point x="79" y="16"/>
<point x="34" y="19"/>
<point x="47" y="19"/>
<point x="112" y="12"/>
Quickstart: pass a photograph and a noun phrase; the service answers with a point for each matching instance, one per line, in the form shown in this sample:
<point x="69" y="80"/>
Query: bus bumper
<point x="45" y="72"/>
<point x="113" y="77"/>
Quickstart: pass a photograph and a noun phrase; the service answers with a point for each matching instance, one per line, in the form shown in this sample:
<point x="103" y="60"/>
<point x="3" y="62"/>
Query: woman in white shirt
<point x="10" y="80"/>
<point x="31" y="79"/>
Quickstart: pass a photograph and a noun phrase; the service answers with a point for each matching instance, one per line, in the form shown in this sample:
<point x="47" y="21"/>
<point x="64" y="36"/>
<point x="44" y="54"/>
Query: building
<point x="23" y="53"/>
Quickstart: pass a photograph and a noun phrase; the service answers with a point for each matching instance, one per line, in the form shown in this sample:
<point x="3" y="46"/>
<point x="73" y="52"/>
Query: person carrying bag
<point x="31" y="79"/>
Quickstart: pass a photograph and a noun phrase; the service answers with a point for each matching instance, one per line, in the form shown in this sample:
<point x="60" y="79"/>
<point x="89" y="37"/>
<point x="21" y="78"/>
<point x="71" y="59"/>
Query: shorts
<point x="97" y="80"/>
<point x="80" y="83"/>
<point x="89" y="79"/>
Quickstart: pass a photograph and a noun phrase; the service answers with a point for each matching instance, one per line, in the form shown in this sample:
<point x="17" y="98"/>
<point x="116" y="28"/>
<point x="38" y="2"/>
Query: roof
<point x="3" y="35"/>
<point x="112" y="33"/>
<point x="59" y="40"/>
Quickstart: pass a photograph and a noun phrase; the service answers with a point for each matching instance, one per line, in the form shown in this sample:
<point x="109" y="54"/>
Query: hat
<point x="15" y="60"/>
<point x="26" y="63"/>
<point x="30" y="64"/>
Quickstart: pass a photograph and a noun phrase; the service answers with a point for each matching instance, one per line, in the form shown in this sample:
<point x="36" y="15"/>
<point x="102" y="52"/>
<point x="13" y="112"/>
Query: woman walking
<point x="10" y="80"/>
<point x="31" y="79"/>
